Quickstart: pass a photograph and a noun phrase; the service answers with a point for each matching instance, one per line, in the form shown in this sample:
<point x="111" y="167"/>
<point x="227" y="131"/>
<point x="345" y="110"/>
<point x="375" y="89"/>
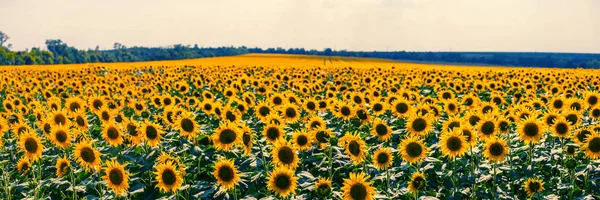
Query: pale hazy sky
<point x="414" y="25"/>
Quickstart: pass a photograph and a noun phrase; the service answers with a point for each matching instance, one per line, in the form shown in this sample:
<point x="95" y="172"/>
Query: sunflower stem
<point x="329" y="157"/>
<point x="454" y="176"/>
<point x="494" y="181"/>
<point x="387" y="178"/>
<point x="571" y="175"/>
<point x="531" y="155"/>
<point x="473" y="173"/>
<point x="234" y="193"/>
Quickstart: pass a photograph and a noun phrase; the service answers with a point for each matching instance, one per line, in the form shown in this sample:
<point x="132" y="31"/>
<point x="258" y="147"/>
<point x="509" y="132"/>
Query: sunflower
<point x="96" y="102"/>
<point x="284" y="154"/>
<point x="581" y="135"/>
<point x="80" y="120"/>
<point x="273" y="132"/>
<point x="262" y="110"/>
<point x="277" y="99"/>
<point x="323" y="135"/>
<point x="469" y="135"/>
<point x="413" y="150"/>
<point x="533" y="186"/>
<point x="530" y="130"/>
<point x="561" y="128"/>
<point x="451" y="106"/>
<point x="473" y="117"/>
<point x="400" y="107"/>
<point x="247" y="139"/>
<point x="290" y="112"/>
<point x="381" y="130"/>
<point x="231" y="115"/>
<point x="452" y="123"/>
<point x="383" y="158"/>
<point x="573" y="116"/>
<point x="355" y="147"/>
<point x="592" y="146"/>
<point x="417" y="182"/>
<point x="74" y="104"/>
<point x="344" y="110"/>
<point x="557" y="103"/>
<point x="117" y="178"/>
<point x="112" y="134"/>
<point x="488" y="126"/>
<point x="495" y="149"/>
<point x="503" y="124"/>
<point x="419" y="124"/>
<point x="32" y="145"/>
<point x="23" y="165"/>
<point x="591" y="99"/>
<point x="357" y="187"/>
<point x="58" y="117"/>
<point x="226" y="174"/>
<point x="86" y="155"/>
<point x="595" y="112"/>
<point x="226" y="136"/>
<point x="550" y="116"/>
<point x="570" y="150"/>
<point x="186" y="125"/>
<point x="152" y="133"/>
<point x="61" y="136"/>
<point x="323" y="186"/>
<point x="378" y="107"/>
<point x="132" y="131"/>
<point x="302" y="139"/>
<point x="168" y="177"/>
<point x="454" y="144"/>
<point x="315" y="121"/>
<point x="62" y="165"/>
<point x="282" y="181"/>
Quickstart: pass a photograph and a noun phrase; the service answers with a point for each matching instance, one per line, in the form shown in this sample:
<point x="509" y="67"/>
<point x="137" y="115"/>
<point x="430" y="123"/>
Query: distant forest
<point x="59" y="52"/>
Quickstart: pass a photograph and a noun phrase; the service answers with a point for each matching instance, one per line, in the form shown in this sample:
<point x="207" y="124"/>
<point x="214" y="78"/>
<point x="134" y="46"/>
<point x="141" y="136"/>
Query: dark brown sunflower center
<point x="290" y="112"/>
<point x="454" y="143"/>
<point x="169" y="177"/>
<point x="550" y="119"/>
<point x="414" y="149"/>
<point x="264" y="111"/>
<point x="488" y="127"/>
<point x="311" y="105"/>
<point x="377" y="107"/>
<point x="227" y="136"/>
<point x="88" y="155"/>
<point x="381" y="129"/>
<point x="453" y="125"/>
<point x="496" y="149"/>
<point x="582" y="135"/>
<point x="226" y="173"/>
<point x="31" y="145"/>
<point x="383" y="158"/>
<point x="562" y="128"/>
<point x="594" y="145"/>
<point x="273" y="133"/>
<point x="576" y="106"/>
<point x="80" y="121"/>
<point x="187" y="125"/>
<point x="246" y="139"/>
<point x="60" y="119"/>
<point x="401" y="108"/>
<point x="358" y="191"/>
<point x="468" y="135"/>
<point x="503" y="126"/>
<point x="419" y="124"/>
<point x="417" y="182"/>
<point x="361" y="114"/>
<point x="345" y="111"/>
<point x="558" y="104"/>
<point x="115" y="176"/>
<point x="534" y="186"/>
<point x="592" y="100"/>
<point x="446" y="95"/>
<point x="230" y="116"/>
<point x="74" y="106"/>
<point x="596" y="112"/>
<point x="286" y="155"/>
<point x="112" y="133"/>
<point x="105" y="116"/>
<point x="61" y="136"/>
<point x="151" y="132"/>
<point x="302" y="140"/>
<point x="132" y="130"/>
<point x="354" y="148"/>
<point x="322" y="137"/>
<point x="531" y="129"/>
<point x="97" y="103"/>
<point x="474" y="119"/>
<point x="570" y="150"/>
<point x="277" y="101"/>
<point x="573" y="118"/>
<point x="283" y="182"/>
<point x="315" y="124"/>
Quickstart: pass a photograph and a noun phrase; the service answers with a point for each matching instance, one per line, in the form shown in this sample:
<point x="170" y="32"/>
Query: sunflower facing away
<point x="357" y="187"/>
<point x="533" y="186"/>
<point x="282" y="181"/>
<point x="495" y="150"/>
<point x="284" y="154"/>
<point x="86" y="155"/>
<point x="413" y="150"/>
<point x="454" y="144"/>
<point x="117" y="178"/>
<point x="62" y="165"/>
<point x="168" y="177"/>
<point x="530" y="130"/>
<point x="417" y="182"/>
<point x="226" y="174"/>
<point x="32" y="145"/>
<point x="383" y="158"/>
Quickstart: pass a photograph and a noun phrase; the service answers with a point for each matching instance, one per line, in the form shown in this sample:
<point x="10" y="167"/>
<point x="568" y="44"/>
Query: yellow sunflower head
<point x="62" y="165"/>
<point x="530" y="130"/>
<point x="168" y="177"/>
<point x="23" y="165"/>
<point x="417" y="182"/>
<point x="282" y="181"/>
<point x="323" y="186"/>
<point x="302" y="139"/>
<point x="592" y="146"/>
<point x="117" y="178"/>
<point x="383" y="158"/>
<point x="284" y="154"/>
<point x="86" y="155"/>
<point x="226" y="174"/>
<point x="381" y="130"/>
<point x="358" y="187"/>
<point x="355" y="146"/>
<point x="32" y="145"/>
<point x="419" y="125"/>
<point x="273" y="132"/>
<point x="61" y="136"/>
<point x="533" y="186"/>
<point x="454" y="144"/>
<point x="226" y="136"/>
<point x="112" y="134"/>
<point x="495" y="149"/>
<point x="413" y="150"/>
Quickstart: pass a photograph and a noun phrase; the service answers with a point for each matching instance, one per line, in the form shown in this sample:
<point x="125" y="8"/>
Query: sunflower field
<point x="266" y="126"/>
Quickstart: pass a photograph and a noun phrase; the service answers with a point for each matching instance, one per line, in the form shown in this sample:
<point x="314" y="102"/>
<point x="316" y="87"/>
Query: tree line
<point x="58" y="52"/>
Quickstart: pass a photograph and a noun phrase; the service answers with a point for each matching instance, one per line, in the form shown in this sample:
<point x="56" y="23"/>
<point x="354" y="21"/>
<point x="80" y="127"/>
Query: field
<point x="298" y="127"/>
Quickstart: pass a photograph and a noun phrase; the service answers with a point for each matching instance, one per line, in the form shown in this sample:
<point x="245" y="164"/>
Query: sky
<point x="359" y="25"/>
